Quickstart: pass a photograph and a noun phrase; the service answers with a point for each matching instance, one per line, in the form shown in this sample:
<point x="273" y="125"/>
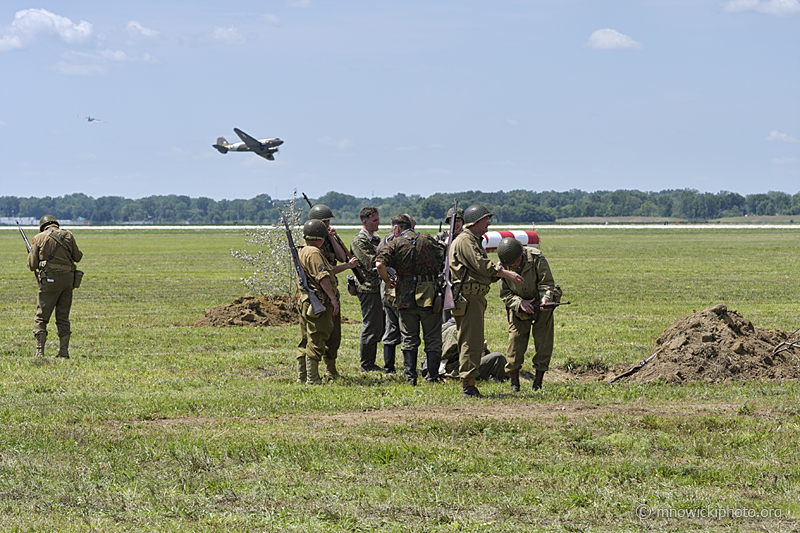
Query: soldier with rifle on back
<point x="54" y="253"/>
<point x="319" y="299"/>
<point x="334" y="251"/>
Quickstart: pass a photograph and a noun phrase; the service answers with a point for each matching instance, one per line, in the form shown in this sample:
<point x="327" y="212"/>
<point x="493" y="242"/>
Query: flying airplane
<point x="264" y="147"/>
<point x="91" y="119"/>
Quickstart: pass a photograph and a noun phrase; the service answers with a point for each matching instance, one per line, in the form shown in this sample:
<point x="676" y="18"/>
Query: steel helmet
<point x="474" y="213"/>
<point x="320" y="212"/>
<point x="314" y="229"/>
<point x="46" y="221"/>
<point x="459" y="214"/>
<point x="508" y="250"/>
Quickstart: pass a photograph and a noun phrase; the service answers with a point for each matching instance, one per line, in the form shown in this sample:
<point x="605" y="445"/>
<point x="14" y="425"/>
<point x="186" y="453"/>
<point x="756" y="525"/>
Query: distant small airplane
<point x="90" y="119"/>
<point x="264" y="147"/>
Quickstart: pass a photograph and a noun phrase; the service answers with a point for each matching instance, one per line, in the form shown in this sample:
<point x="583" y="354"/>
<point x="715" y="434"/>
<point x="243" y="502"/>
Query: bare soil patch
<point x="717" y="345"/>
<point x="251" y="311"/>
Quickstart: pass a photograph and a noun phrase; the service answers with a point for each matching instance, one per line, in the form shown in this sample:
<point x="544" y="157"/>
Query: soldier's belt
<point x="421" y="279"/>
<point x="475" y="288"/>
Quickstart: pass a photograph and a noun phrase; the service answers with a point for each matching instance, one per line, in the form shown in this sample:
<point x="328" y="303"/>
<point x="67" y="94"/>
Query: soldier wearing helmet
<point x="54" y="253"/>
<point x="526" y="308"/>
<point x="334" y="254"/>
<point x="457" y="227"/>
<point x="472" y="273"/>
<point x="316" y="330"/>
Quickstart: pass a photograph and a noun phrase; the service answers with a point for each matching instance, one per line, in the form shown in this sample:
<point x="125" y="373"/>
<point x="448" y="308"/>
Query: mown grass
<point x="155" y="425"/>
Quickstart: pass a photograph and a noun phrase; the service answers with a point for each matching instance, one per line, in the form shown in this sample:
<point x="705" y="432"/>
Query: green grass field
<point x="157" y="426"/>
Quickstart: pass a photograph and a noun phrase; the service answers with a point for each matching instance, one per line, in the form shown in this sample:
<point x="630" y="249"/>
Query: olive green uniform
<point x="492" y="363"/>
<point x="50" y="253"/>
<point x="335" y="340"/>
<point x="315" y="330"/>
<point x="369" y="296"/>
<point x="538" y="284"/>
<point x="471" y="272"/>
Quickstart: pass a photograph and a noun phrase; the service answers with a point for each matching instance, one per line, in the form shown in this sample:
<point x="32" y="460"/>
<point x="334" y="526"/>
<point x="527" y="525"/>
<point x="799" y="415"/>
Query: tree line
<point x="517" y="206"/>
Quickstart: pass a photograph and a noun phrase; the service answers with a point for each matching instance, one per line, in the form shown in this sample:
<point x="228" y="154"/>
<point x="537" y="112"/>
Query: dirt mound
<point x="251" y="311"/>
<point x="719" y="345"/>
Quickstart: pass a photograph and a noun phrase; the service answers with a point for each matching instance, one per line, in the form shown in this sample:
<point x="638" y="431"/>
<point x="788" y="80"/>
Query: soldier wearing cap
<point x="334" y="254"/>
<point x="54" y="253"/>
<point x="316" y="329"/>
<point x="526" y="308"/>
<point x="418" y="260"/>
<point x="472" y="273"/>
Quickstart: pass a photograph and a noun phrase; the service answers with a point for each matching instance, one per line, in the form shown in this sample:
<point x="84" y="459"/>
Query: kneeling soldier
<point x="316" y="329"/>
<point x="527" y="308"/>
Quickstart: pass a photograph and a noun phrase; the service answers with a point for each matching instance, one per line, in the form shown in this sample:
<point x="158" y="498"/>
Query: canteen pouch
<point x="77" y="279"/>
<point x="460" y="308"/>
<point x="351" y="285"/>
<point x="425" y="293"/>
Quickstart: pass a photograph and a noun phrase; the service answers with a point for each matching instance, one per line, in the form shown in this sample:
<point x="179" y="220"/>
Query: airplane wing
<point x="251" y="143"/>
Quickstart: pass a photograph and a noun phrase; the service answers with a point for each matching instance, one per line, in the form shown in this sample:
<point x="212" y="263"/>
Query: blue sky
<point x="418" y="97"/>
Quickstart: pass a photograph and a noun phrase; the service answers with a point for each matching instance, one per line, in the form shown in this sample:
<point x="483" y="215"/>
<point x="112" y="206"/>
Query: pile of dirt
<point x="251" y="311"/>
<point x="718" y="345"/>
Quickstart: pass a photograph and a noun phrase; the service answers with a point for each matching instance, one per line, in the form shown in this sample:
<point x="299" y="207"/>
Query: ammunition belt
<point x="474" y="288"/>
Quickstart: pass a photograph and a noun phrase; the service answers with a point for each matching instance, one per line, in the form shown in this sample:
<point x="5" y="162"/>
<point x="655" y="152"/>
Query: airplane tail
<point x="222" y="145"/>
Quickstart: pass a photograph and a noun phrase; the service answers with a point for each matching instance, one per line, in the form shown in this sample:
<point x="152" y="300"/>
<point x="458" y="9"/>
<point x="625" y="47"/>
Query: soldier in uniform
<point x="54" y="253"/>
<point x="316" y="329"/>
<point x="334" y="254"/>
<point x="369" y="293"/>
<point x="457" y="227"/>
<point x="526" y="307"/>
<point x="492" y="363"/>
<point x="418" y="260"/>
<point x="472" y="272"/>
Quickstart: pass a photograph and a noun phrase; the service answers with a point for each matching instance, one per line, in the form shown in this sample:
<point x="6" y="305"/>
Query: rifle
<point x="356" y="270"/>
<point x="28" y="244"/>
<point x="317" y="306"/>
<point x="449" y="301"/>
<point x="551" y="304"/>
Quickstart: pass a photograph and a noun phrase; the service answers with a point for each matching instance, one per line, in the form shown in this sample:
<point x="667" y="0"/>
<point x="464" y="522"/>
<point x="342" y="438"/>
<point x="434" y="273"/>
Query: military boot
<point x="433" y="358"/>
<point x="63" y="346"/>
<point x="330" y="368"/>
<point x="469" y="390"/>
<point x="538" y="380"/>
<point x="312" y="369"/>
<point x="388" y="358"/>
<point x="41" y="338"/>
<point x="301" y="369"/>
<point x="410" y="366"/>
<point x="515" y="381"/>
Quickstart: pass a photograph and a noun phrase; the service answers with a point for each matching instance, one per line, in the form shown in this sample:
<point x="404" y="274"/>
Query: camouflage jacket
<point x="538" y="283"/>
<point x="363" y="248"/>
<point x="415" y="255"/>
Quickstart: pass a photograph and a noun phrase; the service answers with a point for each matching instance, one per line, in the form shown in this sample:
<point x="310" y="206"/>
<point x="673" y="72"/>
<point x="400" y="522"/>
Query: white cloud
<point x="405" y="148"/>
<point x="30" y="23"/>
<point x="342" y="144"/>
<point x="147" y="58"/>
<point x="113" y="55"/>
<point x="608" y="39"/>
<point x="783" y="160"/>
<point x="512" y="122"/>
<point x="228" y="35"/>
<point x="298" y="3"/>
<point x="135" y="27"/>
<point x="79" y="69"/>
<point x="272" y="19"/>
<point x="776" y="136"/>
<point x="778" y="8"/>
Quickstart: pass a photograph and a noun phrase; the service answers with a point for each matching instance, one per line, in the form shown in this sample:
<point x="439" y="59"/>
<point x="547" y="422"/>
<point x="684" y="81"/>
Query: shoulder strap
<point x="59" y="241"/>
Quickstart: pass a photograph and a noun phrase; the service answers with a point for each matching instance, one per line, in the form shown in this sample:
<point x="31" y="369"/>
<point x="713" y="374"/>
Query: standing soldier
<point x="472" y="272"/>
<point x="54" y="253"/>
<point x="418" y="259"/>
<point x="369" y="293"/>
<point x="526" y="307"/>
<point x="316" y="329"/>
<point x="334" y="254"/>
<point x="457" y="227"/>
